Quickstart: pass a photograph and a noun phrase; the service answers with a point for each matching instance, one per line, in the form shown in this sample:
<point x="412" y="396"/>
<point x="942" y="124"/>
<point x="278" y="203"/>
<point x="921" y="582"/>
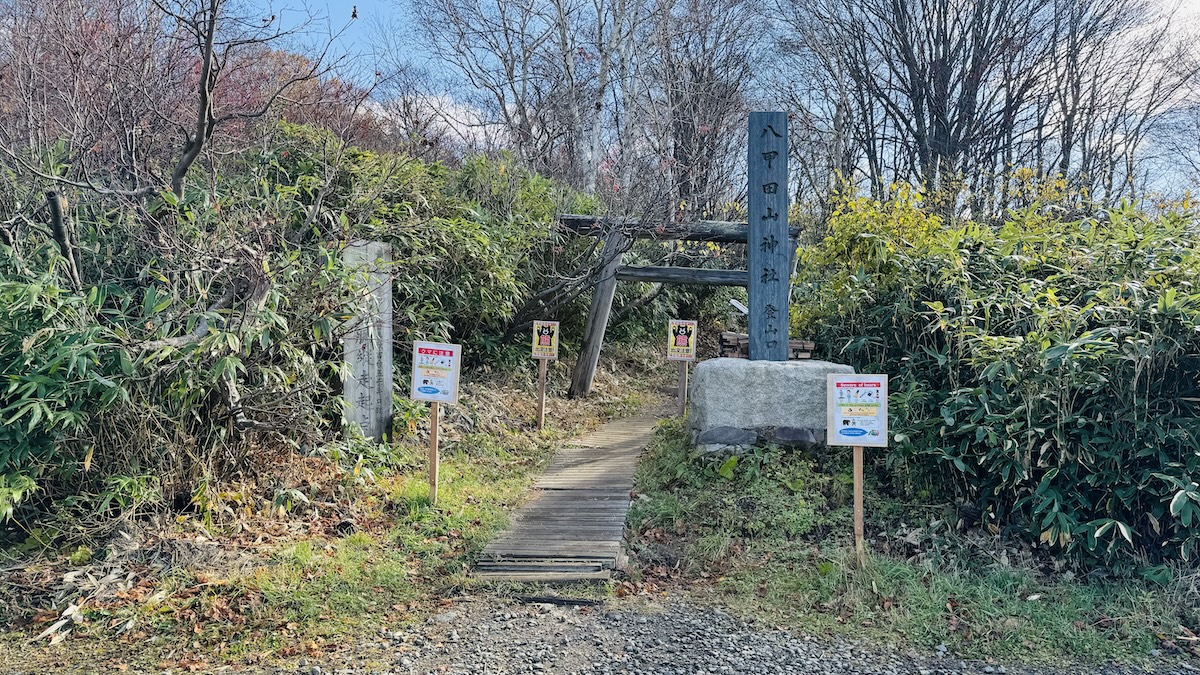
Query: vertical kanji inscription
<point x="770" y="262"/>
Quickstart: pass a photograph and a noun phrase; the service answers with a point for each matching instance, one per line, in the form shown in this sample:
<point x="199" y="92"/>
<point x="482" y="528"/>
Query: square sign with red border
<point x="857" y="407"/>
<point x="545" y="340"/>
<point x="681" y="340"/>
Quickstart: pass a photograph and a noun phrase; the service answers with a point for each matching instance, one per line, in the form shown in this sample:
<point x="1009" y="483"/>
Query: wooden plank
<point x="597" y="321"/>
<point x="605" y="494"/>
<point x="601" y="553"/>
<point x="596" y="554"/>
<point x="548" y="532"/>
<point x="561" y="499"/>
<point x="566" y="528"/>
<point x="589" y="509"/>
<point x="683" y="275"/>
<point x="555" y="560"/>
<point x="532" y="541"/>
<point x="600" y="558"/>
<point x="585" y="508"/>
<point x="536" y="565"/>
<point x="566" y="508"/>
<point x="546" y="577"/>
<point x="606" y="554"/>
<point x="567" y="524"/>
<point x="720" y="231"/>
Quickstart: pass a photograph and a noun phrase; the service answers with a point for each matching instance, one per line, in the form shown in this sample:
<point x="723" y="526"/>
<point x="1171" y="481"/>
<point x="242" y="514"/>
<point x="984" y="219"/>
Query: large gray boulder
<point x="772" y="401"/>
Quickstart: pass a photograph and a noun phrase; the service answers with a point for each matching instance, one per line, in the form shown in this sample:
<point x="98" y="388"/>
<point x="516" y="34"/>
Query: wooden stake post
<point x="541" y="422"/>
<point x="597" y="322"/>
<point x="545" y="349"/>
<point x="857" y="416"/>
<point x="860" y="544"/>
<point x="435" y="374"/>
<point x="681" y="347"/>
<point x="683" y="387"/>
<point x="434" y="461"/>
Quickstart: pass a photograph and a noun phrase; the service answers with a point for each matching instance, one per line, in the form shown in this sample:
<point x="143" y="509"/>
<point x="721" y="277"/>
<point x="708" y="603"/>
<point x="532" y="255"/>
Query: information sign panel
<point x="857" y="410"/>
<point x="435" y="372"/>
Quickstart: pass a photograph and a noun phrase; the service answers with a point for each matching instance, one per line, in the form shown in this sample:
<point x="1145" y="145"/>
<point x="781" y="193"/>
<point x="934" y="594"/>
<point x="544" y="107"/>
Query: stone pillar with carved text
<point x="768" y="244"/>
<point x="367" y="383"/>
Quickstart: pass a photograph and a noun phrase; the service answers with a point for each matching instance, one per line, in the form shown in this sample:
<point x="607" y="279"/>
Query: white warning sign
<point x="858" y="410"/>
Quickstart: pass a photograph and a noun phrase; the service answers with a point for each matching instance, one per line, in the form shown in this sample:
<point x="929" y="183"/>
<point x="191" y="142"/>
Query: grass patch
<point x="771" y="535"/>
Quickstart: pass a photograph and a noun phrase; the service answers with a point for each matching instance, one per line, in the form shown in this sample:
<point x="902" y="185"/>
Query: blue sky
<point x="360" y="37"/>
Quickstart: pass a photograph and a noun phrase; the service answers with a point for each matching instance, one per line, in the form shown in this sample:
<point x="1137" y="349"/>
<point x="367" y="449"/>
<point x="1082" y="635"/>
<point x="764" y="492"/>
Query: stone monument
<point x="367" y="387"/>
<point x="738" y="402"/>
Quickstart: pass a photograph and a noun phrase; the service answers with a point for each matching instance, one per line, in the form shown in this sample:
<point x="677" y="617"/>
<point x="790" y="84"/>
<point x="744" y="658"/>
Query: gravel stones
<point x="493" y="635"/>
<point x="496" y="636"/>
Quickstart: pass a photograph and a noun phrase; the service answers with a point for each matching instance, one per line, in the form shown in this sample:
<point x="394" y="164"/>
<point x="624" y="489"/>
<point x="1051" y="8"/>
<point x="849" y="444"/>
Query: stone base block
<point x="737" y="402"/>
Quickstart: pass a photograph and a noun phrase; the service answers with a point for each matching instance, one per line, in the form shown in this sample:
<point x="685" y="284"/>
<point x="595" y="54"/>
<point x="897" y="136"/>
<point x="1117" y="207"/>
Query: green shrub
<point x="58" y="365"/>
<point x="1044" y="369"/>
<point x="204" y="343"/>
<point x="470" y="245"/>
<point x="764" y="495"/>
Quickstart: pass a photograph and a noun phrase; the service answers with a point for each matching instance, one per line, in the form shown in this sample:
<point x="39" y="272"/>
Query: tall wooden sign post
<point x="545" y="349"/>
<point x="681" y="347"/>
<point x="435" y="372"/>
<point x="768" y="241"/>
<point x="858" y="417"/>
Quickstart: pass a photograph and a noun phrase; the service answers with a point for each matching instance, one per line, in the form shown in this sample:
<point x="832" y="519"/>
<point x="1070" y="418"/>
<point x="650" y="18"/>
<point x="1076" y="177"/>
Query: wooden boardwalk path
<point x="571" y="529"/>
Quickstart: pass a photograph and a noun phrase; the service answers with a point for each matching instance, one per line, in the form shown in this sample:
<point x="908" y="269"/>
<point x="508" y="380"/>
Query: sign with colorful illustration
<point x="858" y="410"/>
<point x="435" y="372"/>
<point x="545" y="340"/>
<point x="681" y="340"/>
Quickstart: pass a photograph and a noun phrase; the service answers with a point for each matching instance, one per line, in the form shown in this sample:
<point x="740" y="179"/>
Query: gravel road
<point x="488" y="635"/>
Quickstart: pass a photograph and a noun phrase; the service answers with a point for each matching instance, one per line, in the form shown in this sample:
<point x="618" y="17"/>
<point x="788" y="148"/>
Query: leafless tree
<point x="956" y="96"/>
<point x="607" y="93"/>
<point x="136" y="90"/>
<point x="510" y="55"/>
<point x="700" y="77"/>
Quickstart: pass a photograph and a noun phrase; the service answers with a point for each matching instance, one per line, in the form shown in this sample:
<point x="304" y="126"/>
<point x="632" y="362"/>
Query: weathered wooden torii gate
<point x="617" y="236"/>
<point x="771" y="252"/>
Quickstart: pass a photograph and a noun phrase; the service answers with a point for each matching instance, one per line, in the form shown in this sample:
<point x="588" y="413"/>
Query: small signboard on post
<point x="681" y="347"/>
<point x="545" y="348"/>
<point x="545" y="340"/>
<point x="681" y="340"/>
<point x="435" y="372"/>
<point x="857" y="416"/>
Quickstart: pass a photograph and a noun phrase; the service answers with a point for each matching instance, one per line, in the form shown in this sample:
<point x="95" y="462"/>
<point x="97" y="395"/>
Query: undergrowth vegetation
<point x="348" y="545"/>
<point x="771" y="534"/>
<point x="1043" y="370"/>
<point x="152" y="352"/>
